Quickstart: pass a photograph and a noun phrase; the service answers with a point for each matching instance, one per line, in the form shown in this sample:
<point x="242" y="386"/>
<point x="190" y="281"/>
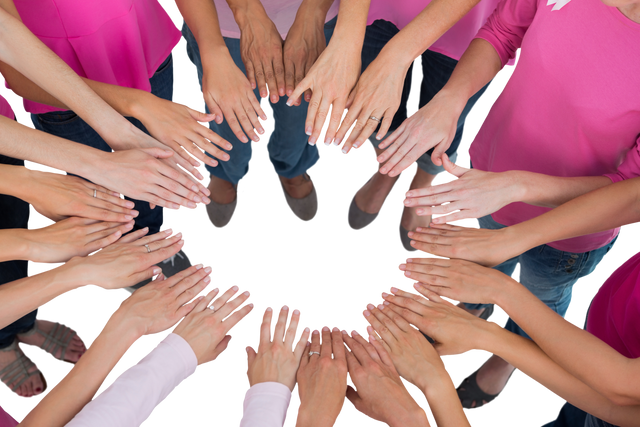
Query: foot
<point x="410" y="219"/>
<point x="372" y="195"/>
<point x="493" y="375"/>
<point x="222" y="192"/>
<point x="63" y="349"/>
<point x="33" y="384"/>
<point x="297" y="188"/>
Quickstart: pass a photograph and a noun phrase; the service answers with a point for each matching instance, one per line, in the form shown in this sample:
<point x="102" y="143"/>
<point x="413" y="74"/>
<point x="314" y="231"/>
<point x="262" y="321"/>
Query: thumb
<point x="353" y="396"/>
<point x="222" y="346"/>
<point x="158" y="153"/>
<point x="251" y="355"/>
<point x="452" y="168"/>
<point x="201" y="117"/>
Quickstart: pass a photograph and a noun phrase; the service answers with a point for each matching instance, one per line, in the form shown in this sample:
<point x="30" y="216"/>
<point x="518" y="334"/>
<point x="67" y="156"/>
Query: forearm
<point x="202" y="19"/>
<point x="443" y="399"/>
<point x="478" y="66"/>
<point x="351" y="25"/>
<point x="424" y="30"/>
<point x="575" y="350"/>
<point x="551" y="191"/>
<point x="526" y="356"/>
<point x="314" y="417"/>
<point x="22" y="296"/>
<point x="13" y="247"/>
<point x="80" y="385"/>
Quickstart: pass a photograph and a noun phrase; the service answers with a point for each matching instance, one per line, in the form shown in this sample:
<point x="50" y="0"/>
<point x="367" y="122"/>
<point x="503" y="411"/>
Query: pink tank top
<point x="120" y="42"/>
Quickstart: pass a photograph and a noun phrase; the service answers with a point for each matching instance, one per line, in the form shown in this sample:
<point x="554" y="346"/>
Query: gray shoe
<point x="220" y="214"/>
<point x="304" y="208"/>
<point x="405" y="239"/>
<point x="170" y="266"/>
<point x="356" y="219"/>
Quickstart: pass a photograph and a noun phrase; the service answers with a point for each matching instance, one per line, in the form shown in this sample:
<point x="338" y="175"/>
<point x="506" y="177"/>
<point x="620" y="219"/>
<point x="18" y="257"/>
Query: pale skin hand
<point x="474" y="194"/>
<point x="177" y="127"/>
<point x="380" y="393"/>
<point x="59" y="196"/>
<point x="126" y="262"/>
<point x="69" y="238"/>
<point x="276" y="360"/>
<point x="457" y="279"/>
<point x="205" y="329"/>
<point x="434" y="125"/>
<point x="322" y="380"/>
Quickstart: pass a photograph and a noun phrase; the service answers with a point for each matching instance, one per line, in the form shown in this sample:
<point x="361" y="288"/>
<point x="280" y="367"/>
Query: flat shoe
<point x="220" y="214"/>
<point x="472" y="392"/>
<point x="356" y="219"/>
<point x="17" y="372"/>
<point x="306" y="207"/>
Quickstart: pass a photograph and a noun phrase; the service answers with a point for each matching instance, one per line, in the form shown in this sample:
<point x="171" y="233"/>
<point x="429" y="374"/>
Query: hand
<point x="322" y="380"/>
<point x="330" y="80"/>
<point x="205" y="329"/>
<point x="162" y="303"/>
<point x="454" y="330"/>
<point x="434" y="125"/>
<point x="71" y="237"/>
<point x="177" y="127"/>
<point x="261" y="51"/>
<point x="475" y="194"/>
<point x="377" y="94"/>
<point x="275" y="360"/>
<point x="125" y="262"/>
<point x="458" y="279"/>
<point x="380" y="393"/>
<point x="141" y="175"/>
<point x="59" y="196"/>
<point x="412" y="355"/>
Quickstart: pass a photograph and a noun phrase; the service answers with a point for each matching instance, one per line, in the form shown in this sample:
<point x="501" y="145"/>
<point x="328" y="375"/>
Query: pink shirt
<point x="614" y="315"/>
<point x="572" y="106"/>
<point x="265" y="405"/>
<point x="281" y="12"/>
<point x="6" y="420"/>
<point x="120" y="42"/>
<point x="5" y="109"/>
<point x="454" y="42"/>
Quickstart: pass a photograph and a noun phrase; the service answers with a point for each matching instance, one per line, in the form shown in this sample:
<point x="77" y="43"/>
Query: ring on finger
<point x="148" y="248"/>
<point x="375" y="119"/>
<point x="95" y="193"/>
<point x="311" y="353"/>
<point x="212" y="308"/>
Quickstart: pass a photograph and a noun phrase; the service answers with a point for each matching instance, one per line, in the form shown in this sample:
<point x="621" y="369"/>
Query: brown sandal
<point x="20" y="370"/>
<point x="58" y="339"/>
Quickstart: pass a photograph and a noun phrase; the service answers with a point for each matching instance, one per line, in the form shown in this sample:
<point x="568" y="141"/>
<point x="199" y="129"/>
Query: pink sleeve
<point x="265" y="405"/>
<point x="133" y="396"/>
<point x="6" y="420"/>
<point x="507" y="26"/>
<point x="630" y="166"/>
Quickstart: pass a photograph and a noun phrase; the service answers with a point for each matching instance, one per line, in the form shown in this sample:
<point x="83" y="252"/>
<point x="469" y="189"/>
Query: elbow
<point x="622" y="396"/>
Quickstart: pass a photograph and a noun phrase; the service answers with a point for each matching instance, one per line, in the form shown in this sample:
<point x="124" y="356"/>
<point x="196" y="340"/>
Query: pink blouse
<point x="6" y="420"/>
<point x="572" y="105"/>
<point x="5" y="109"/>
<point x="614" y="315"/>
<point x="120" y="42"/>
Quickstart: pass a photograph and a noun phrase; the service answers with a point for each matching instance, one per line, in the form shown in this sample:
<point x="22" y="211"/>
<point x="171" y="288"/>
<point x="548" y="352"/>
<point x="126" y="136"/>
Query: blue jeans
<point x="436" y="70"/>
<point x="289" y="151"/>
<point x="14" y="213"/>
<point x="67" y="124"/>
<point x="547" y="272"/>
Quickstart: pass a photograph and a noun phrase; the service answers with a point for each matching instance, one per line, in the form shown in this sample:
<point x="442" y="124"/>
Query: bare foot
<point x="222" y="192"/>
<point x="74" y="350"/>
<point x="298" y="187"/>
<point x="33" y="385"/>
<point x="410" y="220"/>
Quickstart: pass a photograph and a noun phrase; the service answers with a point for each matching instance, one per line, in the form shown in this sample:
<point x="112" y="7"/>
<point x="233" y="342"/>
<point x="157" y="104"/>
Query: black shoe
<point x="169" y="266"/>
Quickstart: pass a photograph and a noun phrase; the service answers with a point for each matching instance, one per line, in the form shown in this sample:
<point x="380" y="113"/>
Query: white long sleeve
<point x="265" y="405"/>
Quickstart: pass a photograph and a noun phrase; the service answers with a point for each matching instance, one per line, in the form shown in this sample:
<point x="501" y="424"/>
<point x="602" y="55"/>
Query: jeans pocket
<point x="166" y="64"/>
<point x="58" y="118"/>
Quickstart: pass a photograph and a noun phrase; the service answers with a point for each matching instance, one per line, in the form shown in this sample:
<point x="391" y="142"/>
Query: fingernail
<point x="417" y="285"/>
<point x="372" y="338"/>
<point x="344" y="332"/>
<point x="207" y="270"/>
<point x="156" y="270"/>
<point x="337" y="141"/>
<point x="312" y="140"/>
<point x="407" y="202"/>
<point x="195" y="188"/>
<point x="306" y="330"/>
<point x="289" y="102"/>
<point x="198" y="267"/>
<point x="179" y="235"/>
<point x="420" y="211"/>
<point x="325" y="329"/>
<point x="296" y="312"/>
<point x="380" y="307"/>
<point x="403" y="267"/>
<point x="344" y="150"/>
<point x="315" y="332"/>
<point x="386" y="303"/>
<point x="269" y="309"/>
<point x="354" y="333"/>
<point x="285" y="308"/>
<point x="246" y="293"/>
<point x="412" y="243"/>
<point x="191" y="205"/>
<point x="335" y="330"/>
<point x="128" y="217"/>
<point x="169" y="231"/>
<point x="197" y="199"/>
<point x="206" y="200"/>
<point x="260" y="131"/>
<point x="410" y="234"/>
<point x="407" y="273"/>
<point x="366" y="313"/>
<point x="394" y="290"/>
<point x="310" y="143"/>
<point x="206" y="279"/>
<point x="308" y="130"/>
<point x="370" y="306"/>
<point x="250" y="305"/>
<point x="215" y="290"/>
<point x="384" y="295"/>
<point x="235" y="289"/>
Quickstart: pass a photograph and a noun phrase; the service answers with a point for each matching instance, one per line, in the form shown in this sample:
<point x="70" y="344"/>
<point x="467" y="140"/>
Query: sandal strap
<point x="17" y="372"/>
<point x="56" y="340"/>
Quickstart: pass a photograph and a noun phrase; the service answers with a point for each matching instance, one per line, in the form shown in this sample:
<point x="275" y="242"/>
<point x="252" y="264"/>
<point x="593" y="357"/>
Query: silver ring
<point x="375" y="118"/>
<point x="311" y="353"/>
<point x="212" y="308"/>
<point x="148" y="248"/>
<point x="95" y="193"/>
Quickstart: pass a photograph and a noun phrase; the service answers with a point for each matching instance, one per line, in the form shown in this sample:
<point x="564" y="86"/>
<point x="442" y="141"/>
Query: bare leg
<point x="372" y="195"/>
<point x="410" y="220"/>
<point x="222" y="192"/>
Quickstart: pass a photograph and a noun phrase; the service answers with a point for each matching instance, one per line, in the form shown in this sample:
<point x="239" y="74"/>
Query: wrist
<point x="246" y="12"/>
<point x="16" y="246"/>
<point x="123" y="323"/>
<point x="518" y="188"/>
<point x="414" y="417"/>
<point x="313" y="417"/>
<point x="312" y="12"/>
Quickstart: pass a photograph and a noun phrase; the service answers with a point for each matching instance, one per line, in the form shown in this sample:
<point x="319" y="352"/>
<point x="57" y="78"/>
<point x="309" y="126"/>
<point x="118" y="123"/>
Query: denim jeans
<point x="14" y="213"/>
<point x="570" y="416"/>
<point x="436" y="70"/>
<point x="289" y="151"/>
<point x="68" y="125"/>
<point x="547" y="272"/>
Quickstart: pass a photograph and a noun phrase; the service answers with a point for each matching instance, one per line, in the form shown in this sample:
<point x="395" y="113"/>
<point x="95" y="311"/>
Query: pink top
<point x="572" y="106"/>
<point x="121" y="42"/>
<point x="5" y="109"/>
<point x="454" y="42"/>
<point x="281" y="12"/>
<point x="265" y="405"/>
<point x="614" y="315"/>
<point x="6" y="420"/>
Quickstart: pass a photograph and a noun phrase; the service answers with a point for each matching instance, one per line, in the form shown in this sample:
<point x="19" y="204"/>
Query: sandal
<point x="488" y="311"/>
<point x="56" y="340"/>
<point x="472" y="392"/>
<point x="20" y="370"/>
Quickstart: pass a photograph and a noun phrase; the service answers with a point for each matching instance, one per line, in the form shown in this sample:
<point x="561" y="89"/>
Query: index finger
<point x="265" y="328"/>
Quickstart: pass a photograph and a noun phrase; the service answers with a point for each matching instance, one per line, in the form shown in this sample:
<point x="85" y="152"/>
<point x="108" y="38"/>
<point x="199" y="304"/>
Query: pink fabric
<point x="265" y="405"/>
<point x="454" y="42"/>
<point x="134" y="395"/>
<point x="121" y="42"/>
<point x="6" y="420"/>
<point x="281" y="12"/>
<point x="5" y="109"/>
<point x="614" y="315"/>
<point x="572" y="106"/>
